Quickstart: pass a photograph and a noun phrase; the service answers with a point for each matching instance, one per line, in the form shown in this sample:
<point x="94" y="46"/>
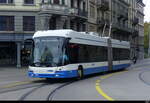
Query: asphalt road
<point x="130" y="84"/>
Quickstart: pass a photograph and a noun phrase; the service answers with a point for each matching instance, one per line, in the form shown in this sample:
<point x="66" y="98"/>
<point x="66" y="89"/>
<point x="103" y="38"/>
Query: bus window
<point x="73" y="53"/>
<point x="65" y="57"/>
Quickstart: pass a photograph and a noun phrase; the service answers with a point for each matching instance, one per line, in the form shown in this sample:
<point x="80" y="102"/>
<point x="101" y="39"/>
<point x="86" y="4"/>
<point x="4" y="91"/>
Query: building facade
<point x="18" y="21"/>
<point x="121" y="19"/>
<point x="103" y="16"/>
<point x="92" y="16"/>
<point x="64" y="14"/>
<point x="140" y="15"/>
<point x="119" y="14"/>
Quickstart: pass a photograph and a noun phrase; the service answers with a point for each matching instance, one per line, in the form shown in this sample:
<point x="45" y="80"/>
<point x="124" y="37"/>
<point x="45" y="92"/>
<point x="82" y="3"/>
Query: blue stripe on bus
<point x="117" y="67"/>
<point x="95" y="70"/>
<point x="74" y="73"/>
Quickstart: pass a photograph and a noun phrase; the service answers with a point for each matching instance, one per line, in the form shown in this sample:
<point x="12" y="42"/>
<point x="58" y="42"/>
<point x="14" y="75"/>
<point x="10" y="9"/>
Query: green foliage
<point x="146" y="41"/>
<point x="146" y="34"/>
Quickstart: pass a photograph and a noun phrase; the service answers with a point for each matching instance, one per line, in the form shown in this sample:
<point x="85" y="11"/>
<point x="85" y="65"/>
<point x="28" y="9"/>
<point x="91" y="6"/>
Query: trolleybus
<point x="69" y="54"/>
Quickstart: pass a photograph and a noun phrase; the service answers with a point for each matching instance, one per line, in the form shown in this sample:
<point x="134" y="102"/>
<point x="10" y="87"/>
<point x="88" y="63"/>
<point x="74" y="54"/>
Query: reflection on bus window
<point x="87" y="53"/>
<point x="46" y="56"/>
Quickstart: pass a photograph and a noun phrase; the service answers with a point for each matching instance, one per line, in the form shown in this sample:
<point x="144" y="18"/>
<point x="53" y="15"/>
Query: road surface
<point x="130" y="84"/>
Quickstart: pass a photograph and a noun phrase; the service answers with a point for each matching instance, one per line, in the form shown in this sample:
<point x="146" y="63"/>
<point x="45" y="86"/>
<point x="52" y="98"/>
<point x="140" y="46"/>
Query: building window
<point x="45" y="1"/>
<point x="84" y="6"/>
<point x="6" y="23"/>
<point x="56" y="1"/>
<point x="6" y="1"/>
<point x="72" y="3"/>
<point x="28" y="23"/>
<point x="63" y="2"/>
<point x="28" y="2"/>
<point x="92" y="11"/>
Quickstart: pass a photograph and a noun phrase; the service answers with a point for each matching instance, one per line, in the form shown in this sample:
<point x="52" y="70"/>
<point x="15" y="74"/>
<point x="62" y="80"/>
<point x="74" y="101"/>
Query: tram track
<point x="51" y="94"/>
<point x="142" y="79"/>
<point x="30" y="88"/>
<point x="23" y="97"/>
<point x="9" y="88"/>
<point x="35" y="87"/>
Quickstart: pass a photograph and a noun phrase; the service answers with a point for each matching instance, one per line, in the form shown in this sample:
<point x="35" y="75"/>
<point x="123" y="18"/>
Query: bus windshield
<point x="47" y="52"/>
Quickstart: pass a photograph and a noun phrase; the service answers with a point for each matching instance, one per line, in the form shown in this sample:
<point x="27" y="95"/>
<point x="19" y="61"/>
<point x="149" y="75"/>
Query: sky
<point x="147" y="10"/>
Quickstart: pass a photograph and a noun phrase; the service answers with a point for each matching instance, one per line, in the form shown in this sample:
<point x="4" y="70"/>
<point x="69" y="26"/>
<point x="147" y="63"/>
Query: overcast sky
<point x="147" y="10"/>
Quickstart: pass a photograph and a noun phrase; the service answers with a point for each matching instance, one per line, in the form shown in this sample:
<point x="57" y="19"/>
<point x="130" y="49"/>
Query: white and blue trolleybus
<point x="69" y="54"/>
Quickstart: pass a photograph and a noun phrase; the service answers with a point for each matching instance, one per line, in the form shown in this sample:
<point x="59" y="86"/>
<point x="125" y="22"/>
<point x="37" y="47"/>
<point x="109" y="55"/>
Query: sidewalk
<point x="141" y="63"/>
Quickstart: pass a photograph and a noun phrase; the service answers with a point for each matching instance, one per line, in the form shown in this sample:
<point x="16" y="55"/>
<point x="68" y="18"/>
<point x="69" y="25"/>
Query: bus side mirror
<point x="28" y="43"/>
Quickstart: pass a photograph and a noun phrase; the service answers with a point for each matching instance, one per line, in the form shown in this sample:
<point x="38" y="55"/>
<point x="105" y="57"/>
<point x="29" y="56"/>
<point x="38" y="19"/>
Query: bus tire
<point x="80" y="73"/>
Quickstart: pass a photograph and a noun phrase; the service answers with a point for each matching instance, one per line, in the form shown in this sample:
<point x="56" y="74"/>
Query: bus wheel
<point x="80" y="73"/>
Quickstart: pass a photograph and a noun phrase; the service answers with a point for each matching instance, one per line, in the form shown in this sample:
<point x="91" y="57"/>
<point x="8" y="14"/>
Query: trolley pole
<point x="110" y="50"/>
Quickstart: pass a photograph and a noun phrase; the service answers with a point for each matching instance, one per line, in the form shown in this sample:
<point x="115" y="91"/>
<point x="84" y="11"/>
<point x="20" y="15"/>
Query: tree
<point x="146" y="34"/>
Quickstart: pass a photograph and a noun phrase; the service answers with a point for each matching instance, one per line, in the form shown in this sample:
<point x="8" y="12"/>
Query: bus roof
<point x="67" y="33"/>
<point x="90" y="38"/>
<point x="59" y="33"/>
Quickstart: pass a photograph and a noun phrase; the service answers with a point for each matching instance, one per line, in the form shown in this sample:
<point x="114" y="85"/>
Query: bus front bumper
<point x="57" y="74"/>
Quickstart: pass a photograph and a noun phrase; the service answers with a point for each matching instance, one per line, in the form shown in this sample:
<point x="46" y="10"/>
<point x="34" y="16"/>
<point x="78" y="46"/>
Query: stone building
<point x="123" y="15"/>
<point x="18" y="21"/>
<point x="92" y="16"/>
<point x="103" y="16"/>
<point x="119" y="14"/>
<point x="63" y="14"/>
<point x="140" y="15"/>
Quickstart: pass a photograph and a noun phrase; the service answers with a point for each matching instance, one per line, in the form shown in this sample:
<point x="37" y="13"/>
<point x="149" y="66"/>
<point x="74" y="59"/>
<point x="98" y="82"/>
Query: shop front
<point x="8" y="53"/>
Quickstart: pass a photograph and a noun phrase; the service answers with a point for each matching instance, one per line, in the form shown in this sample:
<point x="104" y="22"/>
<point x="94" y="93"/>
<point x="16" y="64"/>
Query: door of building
<point x="7" y="53"/>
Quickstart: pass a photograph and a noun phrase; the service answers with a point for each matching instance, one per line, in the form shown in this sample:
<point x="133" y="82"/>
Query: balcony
<point x="63" y="10"/>
<point x="103" y="5"/>
<point x="54" y="9"/>
<point x="73" y="11"/>
<point x="82" y="13"/>
<point x="120" y="28"/>
<point x="78" y="13"/>
<point x="123" y="15"/>
<point x="125" y="18"/>
<point x="101" y="23"/>
<point x="135" y="33"/>
<point x="135" y="21"/>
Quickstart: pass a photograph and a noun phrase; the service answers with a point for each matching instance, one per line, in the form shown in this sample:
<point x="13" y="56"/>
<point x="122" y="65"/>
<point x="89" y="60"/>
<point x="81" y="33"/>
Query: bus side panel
<point x="95" y="70"/>
<point x="121" y="58"/>
<point x="89" y="68"/>
<point x="121" y="64"/>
